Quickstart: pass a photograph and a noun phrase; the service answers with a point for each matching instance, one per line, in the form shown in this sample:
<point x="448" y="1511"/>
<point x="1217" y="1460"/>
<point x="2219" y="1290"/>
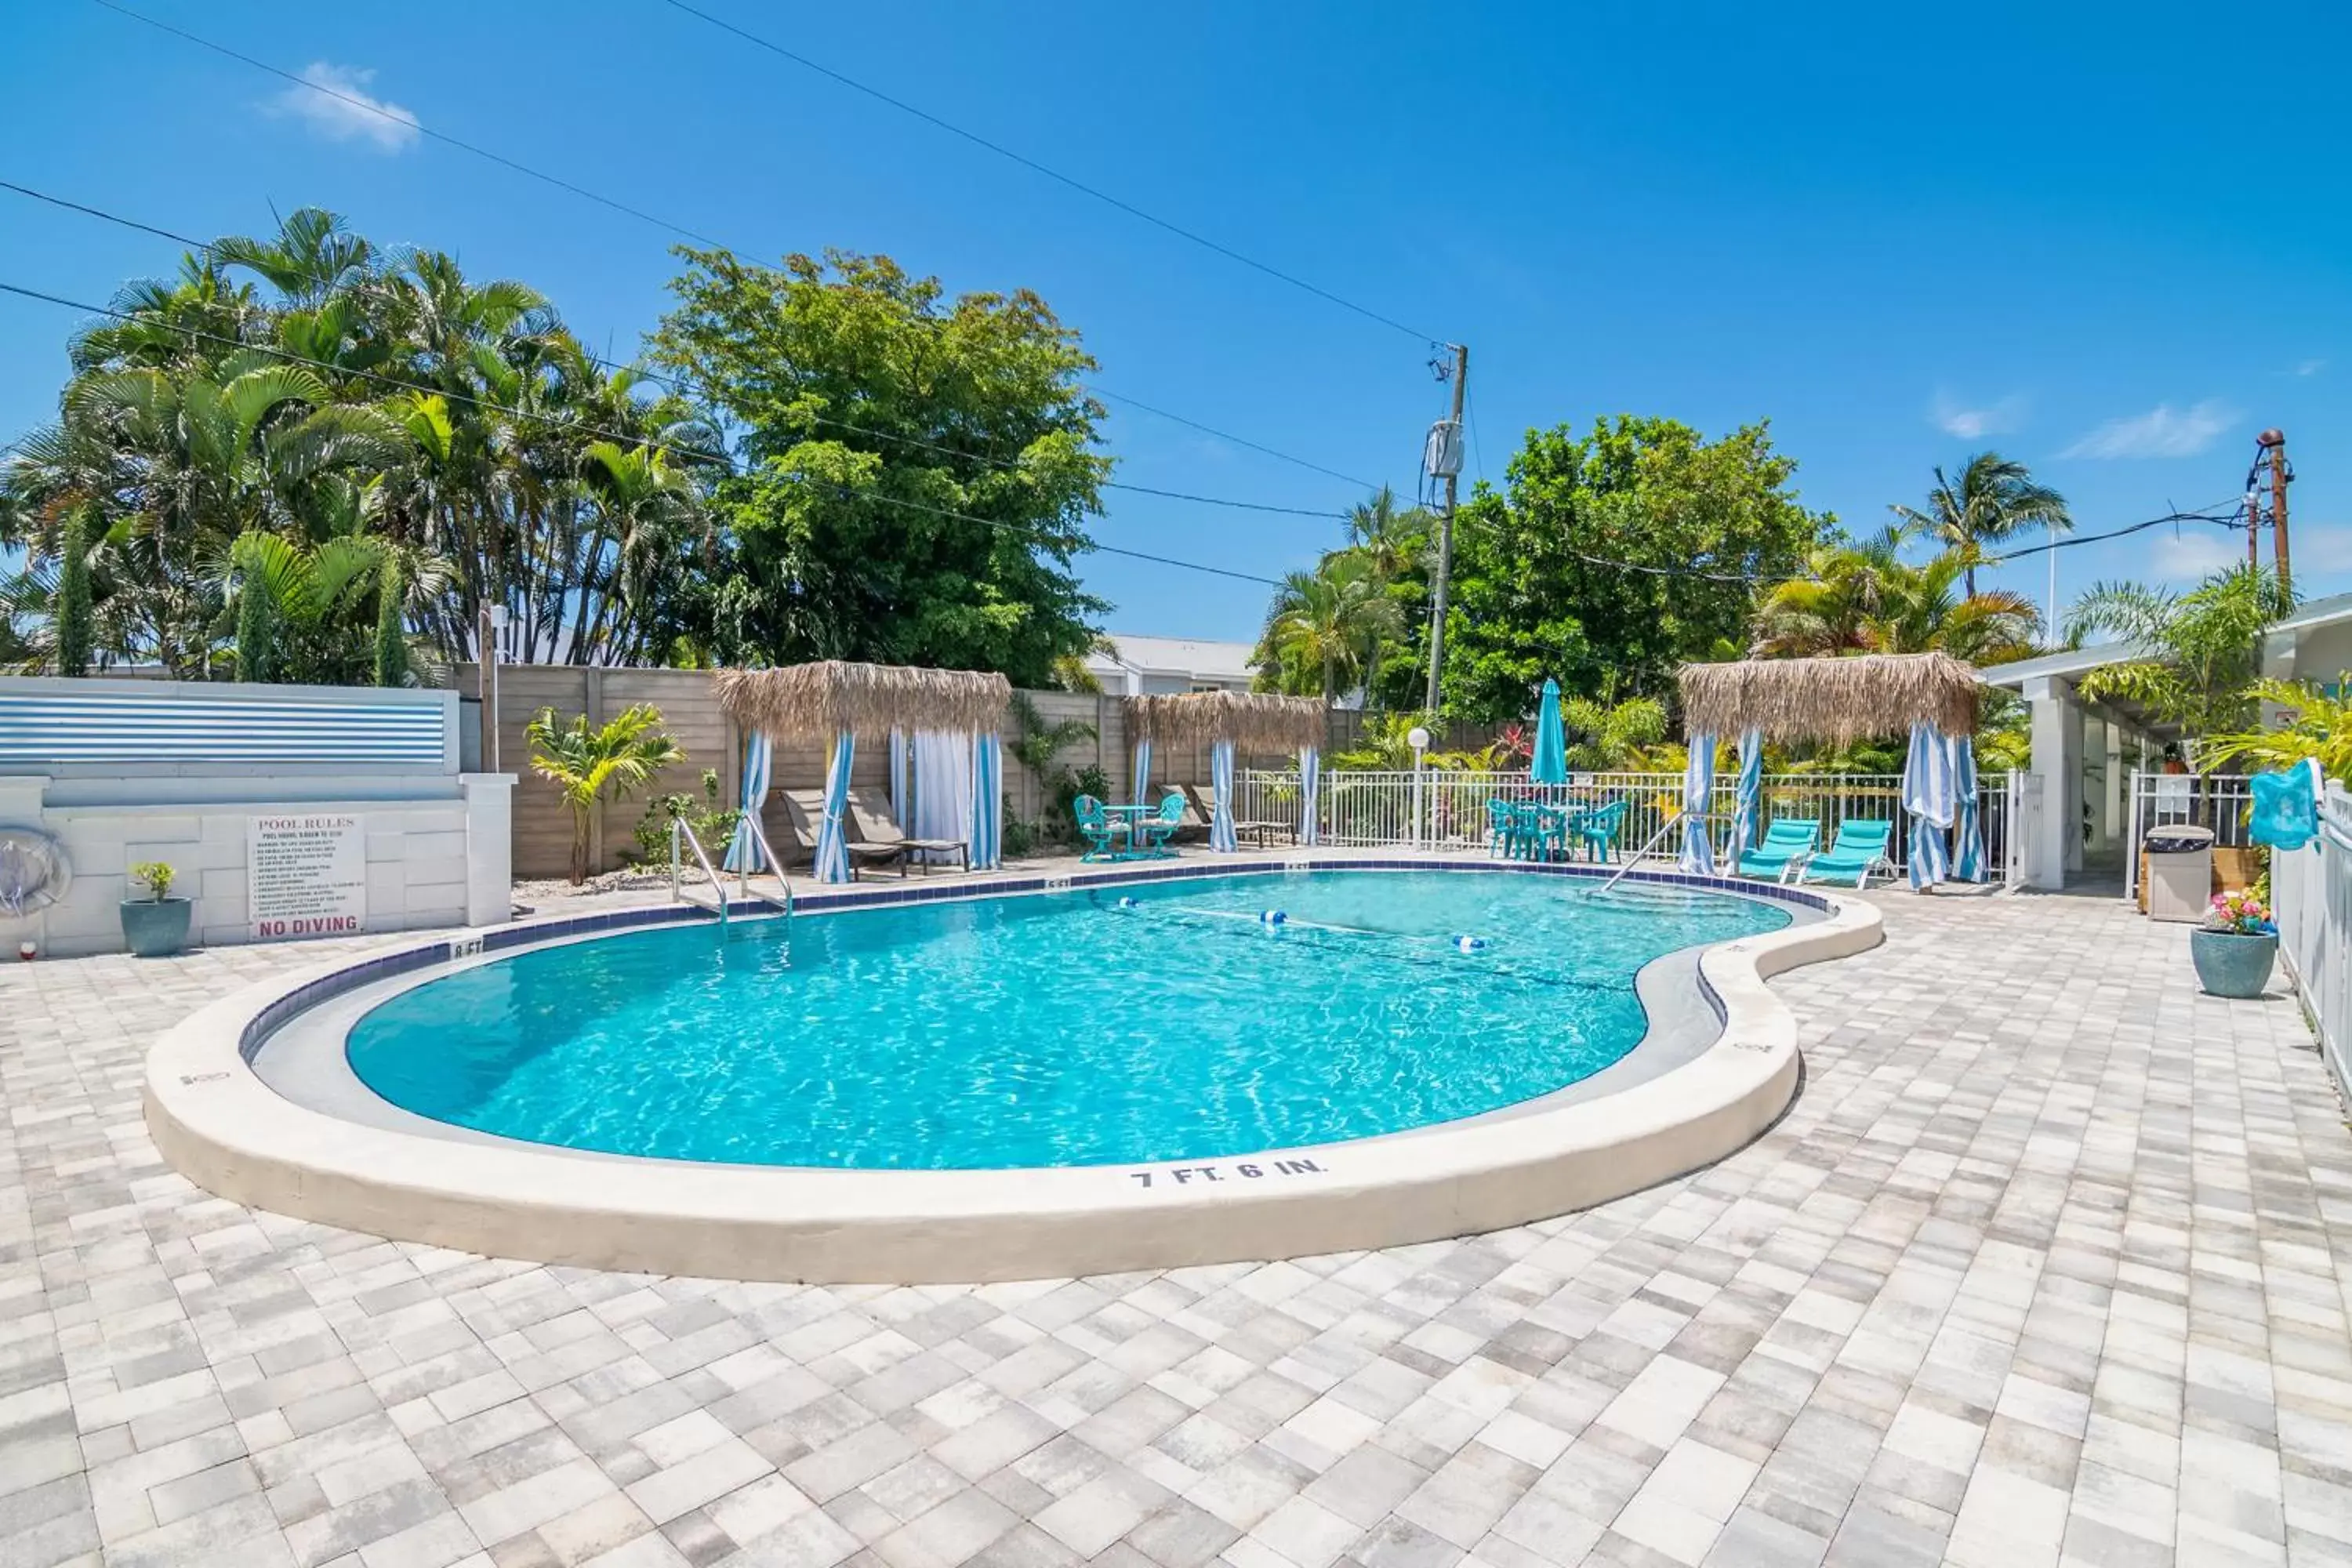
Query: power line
<point x="1051" y="173"/>
<point x="1007" y="464"/>
<point x="703" y="453"/>
<point x="1225" y="436"/>
<point x="422" y="129"/>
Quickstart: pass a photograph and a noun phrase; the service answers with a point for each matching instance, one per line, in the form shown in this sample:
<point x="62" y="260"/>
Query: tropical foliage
<point x="1994" y="499"/>
<point x="2200" y="651"/>
<point x="1622" y="737"/>
<point x="1863" y="597"/>
<point x="918" y="471"/>
<point x="1615" y="556"/>
<point x="588" y="765"/>
<point x="1344" y="624"/>
<point x="2313" y="721"/>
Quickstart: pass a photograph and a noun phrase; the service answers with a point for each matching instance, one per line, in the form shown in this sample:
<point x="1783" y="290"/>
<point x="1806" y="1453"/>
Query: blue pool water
<point x="1068" y="1030"/>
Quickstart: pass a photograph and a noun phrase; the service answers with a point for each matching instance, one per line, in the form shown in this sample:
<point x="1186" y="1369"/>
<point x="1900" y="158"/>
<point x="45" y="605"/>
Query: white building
<point x="2084" y="751"/>
<point x="1159" y="667"/>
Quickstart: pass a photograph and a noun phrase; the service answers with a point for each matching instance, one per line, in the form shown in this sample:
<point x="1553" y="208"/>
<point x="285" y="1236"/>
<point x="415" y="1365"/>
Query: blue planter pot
<point x="156" y="928"/>
<point x="2228" y="965"/>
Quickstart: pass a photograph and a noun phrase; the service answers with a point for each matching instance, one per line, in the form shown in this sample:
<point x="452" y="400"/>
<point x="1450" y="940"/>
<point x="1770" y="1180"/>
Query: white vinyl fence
<point x="2311" y="893"/>
<point x="1442" y="808"/>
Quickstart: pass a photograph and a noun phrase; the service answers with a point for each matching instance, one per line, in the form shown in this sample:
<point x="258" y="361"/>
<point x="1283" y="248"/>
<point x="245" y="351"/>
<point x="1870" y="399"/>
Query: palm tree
<point x="2199" y="651"/>
<point x="1327" y="621"/>
<point x="1611" y="738"/>
<point x="1996" y="498"/>
<point x="1864" y="598"/>
<point x="586" y="765"/>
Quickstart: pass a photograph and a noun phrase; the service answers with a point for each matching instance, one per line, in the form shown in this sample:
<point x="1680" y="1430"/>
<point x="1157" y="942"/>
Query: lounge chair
<point x="1788" y="842"/>
<point x="1859" y="849"/>
<point x="1204" y="800"/>
<point x="1100" y="829"/>
<point x="1152" y="834"/>
<point x="804" y="808"/>
<point x="869" y="815"/>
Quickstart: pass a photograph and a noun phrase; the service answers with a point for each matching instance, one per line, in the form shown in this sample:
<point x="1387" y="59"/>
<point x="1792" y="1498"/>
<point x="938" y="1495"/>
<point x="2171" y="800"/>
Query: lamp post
<point x="1419" y="740"/>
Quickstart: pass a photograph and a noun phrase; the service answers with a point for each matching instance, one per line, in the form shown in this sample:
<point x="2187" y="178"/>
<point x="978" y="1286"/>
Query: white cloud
<point x="2190" y="556"/>
<point x="2310" y="367"/>
<point x="2163" y="431"/>
<point x="337" y="105"/>
<point x="1974" y="424"/>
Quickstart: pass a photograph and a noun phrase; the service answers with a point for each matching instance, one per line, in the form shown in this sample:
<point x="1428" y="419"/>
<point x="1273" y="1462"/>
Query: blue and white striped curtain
<point x="1967" y="817"/>
<point x="742" y="850"/>
<point x="832" y="834"/>
<point x="1221" y="836"/>
<point x="1698" y="783"/>
<point x="1142" y="796"/>
<point x="1311" y="787"/>
<point x="987" y="804"/>
<point x="1751" y="795"/>
<point x="1928" y="796"/>
<point x="899" y="766"/>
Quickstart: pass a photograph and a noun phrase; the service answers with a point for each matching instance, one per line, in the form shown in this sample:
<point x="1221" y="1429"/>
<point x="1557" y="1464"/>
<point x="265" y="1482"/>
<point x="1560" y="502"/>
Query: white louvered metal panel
<point x="47" y="728"/>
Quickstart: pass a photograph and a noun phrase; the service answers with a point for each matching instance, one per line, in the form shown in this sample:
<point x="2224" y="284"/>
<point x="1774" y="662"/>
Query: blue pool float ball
<point x="1127" y="903"/>
<point x="1272" y="917"/>
<point x="1469" y="944"/>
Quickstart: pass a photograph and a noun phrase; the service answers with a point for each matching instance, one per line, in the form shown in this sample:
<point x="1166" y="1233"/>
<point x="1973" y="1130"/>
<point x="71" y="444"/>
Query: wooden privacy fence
<point x="691" y="716"/>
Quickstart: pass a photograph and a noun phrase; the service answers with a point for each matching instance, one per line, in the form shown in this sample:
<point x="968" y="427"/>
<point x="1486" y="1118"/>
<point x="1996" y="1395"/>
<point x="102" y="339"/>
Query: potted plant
<point x="157" y="925"/>
<point x="2233" y="949"/>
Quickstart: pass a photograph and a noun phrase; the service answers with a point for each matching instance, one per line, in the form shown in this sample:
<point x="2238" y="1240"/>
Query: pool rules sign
<point x="305" y="876"/>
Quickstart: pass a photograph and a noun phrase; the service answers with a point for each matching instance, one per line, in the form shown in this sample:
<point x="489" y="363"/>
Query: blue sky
<point x="2111" y="240"/>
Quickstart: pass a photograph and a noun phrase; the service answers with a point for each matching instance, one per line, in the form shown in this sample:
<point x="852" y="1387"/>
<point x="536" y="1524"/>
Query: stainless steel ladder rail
<point x="1676" y="820"/>
<point x="680" y="832"/>
<point x="767" y="853"/>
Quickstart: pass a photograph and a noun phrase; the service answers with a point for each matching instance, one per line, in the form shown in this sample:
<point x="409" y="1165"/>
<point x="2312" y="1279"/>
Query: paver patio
<point x="2048" y="1264"/>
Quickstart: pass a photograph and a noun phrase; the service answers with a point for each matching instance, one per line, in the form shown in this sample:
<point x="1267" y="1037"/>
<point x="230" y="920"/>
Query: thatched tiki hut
<point x="1225" y="720"/>
<point x="953" y="714"/>
<point x="1929" y="696"/>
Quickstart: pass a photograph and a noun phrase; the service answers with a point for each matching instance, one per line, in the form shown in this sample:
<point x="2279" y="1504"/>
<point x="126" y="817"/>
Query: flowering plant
<point x="2240" y="914"/>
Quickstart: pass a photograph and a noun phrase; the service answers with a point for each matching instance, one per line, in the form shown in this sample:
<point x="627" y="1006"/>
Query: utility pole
<point x="1445" y="459"/>
<point x="2274" y="446"/>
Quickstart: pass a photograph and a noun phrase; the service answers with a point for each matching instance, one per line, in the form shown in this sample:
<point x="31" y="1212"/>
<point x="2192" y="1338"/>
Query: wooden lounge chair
<point x="869" y="815"/>
<point x="805" y="809"/>
<point x="1788" y="840"/>
<point x="1204" y="802"/>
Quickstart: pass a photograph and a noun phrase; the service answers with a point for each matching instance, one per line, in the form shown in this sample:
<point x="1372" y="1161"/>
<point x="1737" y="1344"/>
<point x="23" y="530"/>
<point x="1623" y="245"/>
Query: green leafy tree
<point x="1994" y="499"/>
<point x="589" y="765"/>
<point x="1615" y="556"/>
<point x="1612" y="737"/>
<point x="2199" y="652"/>
<point x="2313" y="721"/>
<point x="921" y="469"/>
<point x="391" y="639"/>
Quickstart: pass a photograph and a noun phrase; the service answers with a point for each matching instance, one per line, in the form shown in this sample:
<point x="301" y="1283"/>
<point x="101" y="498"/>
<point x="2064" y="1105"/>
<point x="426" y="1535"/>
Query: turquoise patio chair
<point x="1535" y="829"/>
<point x="1502" y="832"/>
<point x="1152" y="833"/>
<point x="1596" y="831"/>
<point x="1097" y="827"/>
<point x="1788" y="841"/>
<point x="1860" y="849"/>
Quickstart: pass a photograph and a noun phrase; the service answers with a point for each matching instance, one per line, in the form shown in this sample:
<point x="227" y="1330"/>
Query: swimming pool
<point x="1195" y="1087"/>
<point x="1111" y="1025"/>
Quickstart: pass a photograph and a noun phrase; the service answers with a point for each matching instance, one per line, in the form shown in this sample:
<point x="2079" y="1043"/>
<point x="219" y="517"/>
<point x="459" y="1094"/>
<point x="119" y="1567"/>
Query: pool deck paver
<point x="2050" y="1264"/>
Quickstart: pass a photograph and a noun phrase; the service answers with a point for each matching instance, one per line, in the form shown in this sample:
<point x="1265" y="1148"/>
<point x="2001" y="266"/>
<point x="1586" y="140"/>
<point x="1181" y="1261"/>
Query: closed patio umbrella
<point x="1928" y="796"/>
<point x="1549" y="763"/>
<point x="1968" y="823"/>
<point x="1698" y="783"/>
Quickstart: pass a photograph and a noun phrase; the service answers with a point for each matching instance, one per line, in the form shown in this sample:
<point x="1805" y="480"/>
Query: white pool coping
<point x="221" y="1125"/>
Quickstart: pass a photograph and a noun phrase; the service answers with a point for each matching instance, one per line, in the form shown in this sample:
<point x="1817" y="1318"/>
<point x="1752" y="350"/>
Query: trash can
<point x="2180" y="873"/>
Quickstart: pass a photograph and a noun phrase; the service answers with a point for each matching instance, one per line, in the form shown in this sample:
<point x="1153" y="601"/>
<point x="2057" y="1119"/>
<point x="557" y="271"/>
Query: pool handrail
<point x="750" y="819"/>
<point x="679" y="830"/>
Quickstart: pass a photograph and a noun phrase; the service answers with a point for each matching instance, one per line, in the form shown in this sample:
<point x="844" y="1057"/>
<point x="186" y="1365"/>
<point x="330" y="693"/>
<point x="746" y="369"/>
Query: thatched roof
<point x="1836" y="700"/>
<point x="1252" y="721"/>
<point x="817" y="701"/>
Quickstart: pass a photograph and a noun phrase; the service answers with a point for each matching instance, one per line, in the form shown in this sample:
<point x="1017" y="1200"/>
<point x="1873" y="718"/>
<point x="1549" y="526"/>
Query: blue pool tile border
<point x="505" y="939"/>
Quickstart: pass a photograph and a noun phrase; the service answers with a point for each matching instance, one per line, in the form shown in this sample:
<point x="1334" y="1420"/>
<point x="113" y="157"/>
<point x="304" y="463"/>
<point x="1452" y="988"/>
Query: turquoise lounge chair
<point x="1597" y="830"/>
<point x="1100" y="830"/>
<point x="1787" y="841"/>
<point x="1152" y="833"/>
<point x="1860" y="849"/>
